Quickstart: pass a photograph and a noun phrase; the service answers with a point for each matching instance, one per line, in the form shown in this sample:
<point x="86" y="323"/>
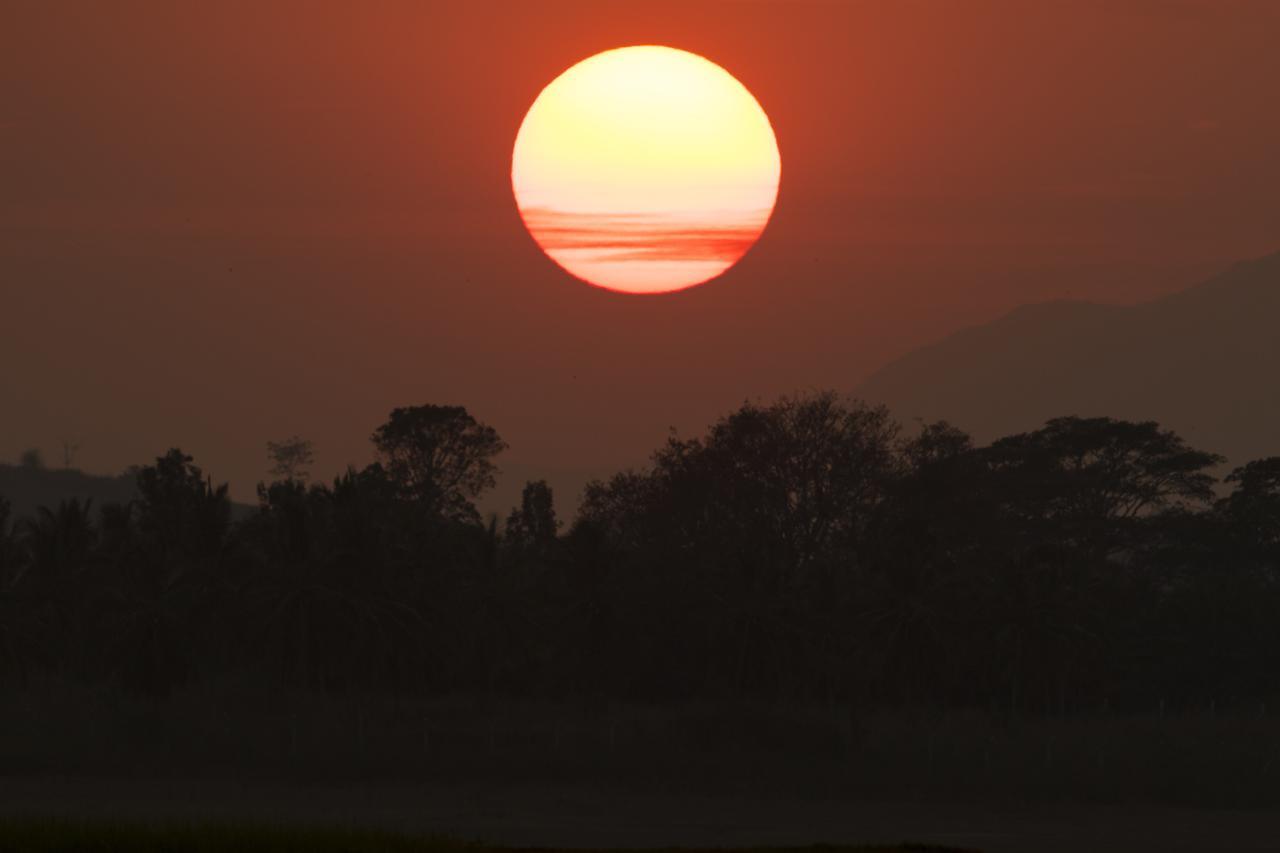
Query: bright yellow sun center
<point x="645" y="169"/>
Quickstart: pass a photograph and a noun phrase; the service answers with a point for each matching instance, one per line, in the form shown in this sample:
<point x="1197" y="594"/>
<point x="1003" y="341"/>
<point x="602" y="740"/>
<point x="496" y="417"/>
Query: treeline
<point x="804" y="551"/>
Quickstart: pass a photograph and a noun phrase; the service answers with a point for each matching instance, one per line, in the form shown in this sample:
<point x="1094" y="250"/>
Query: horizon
<point x="510" y="480"/>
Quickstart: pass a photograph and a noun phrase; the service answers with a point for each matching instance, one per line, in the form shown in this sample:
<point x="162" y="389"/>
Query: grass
<point x="48" y="835"/>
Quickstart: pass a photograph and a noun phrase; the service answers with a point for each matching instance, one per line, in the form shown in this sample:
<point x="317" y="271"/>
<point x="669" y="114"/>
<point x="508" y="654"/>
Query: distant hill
<point x="1205" y="362"/>
<point x="28" y="488"/>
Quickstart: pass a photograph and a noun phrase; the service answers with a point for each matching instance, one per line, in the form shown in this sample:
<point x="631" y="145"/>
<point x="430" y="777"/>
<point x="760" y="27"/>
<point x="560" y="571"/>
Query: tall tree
<point x="291" y="459"/>
<point x="1090" y="482"/>
<point x="59" y="541"/>
<point x="532" y="526"/>
<point x="20" y="621"/>
<point x="791" y="483"/>
<point x="179" y="508"/>
<point x="1254" y="505"/>
<point x="9" y="554"/>
<point x="439" y="457"/>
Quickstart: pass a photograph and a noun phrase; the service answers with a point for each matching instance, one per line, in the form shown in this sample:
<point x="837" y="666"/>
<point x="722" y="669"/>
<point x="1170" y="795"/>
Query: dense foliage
<point x="803" y="551"/>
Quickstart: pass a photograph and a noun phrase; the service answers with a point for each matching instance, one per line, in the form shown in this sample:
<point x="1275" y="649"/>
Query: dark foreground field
<point x="44" y="835"/>
<point x="524" y="774"/>
<point x="592" y="818"/>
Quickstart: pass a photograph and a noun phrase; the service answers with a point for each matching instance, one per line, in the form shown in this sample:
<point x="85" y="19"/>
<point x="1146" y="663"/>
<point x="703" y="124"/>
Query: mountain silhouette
<point x="1204" y="362"/>
<point x="27" y="488"/>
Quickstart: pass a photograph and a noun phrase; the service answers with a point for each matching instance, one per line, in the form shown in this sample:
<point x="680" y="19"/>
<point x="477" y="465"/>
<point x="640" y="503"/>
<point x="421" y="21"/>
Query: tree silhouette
<point x="533" y="525"/>
<point x="802" y="550"/>
<point x="9" y="553"/>
<point x="183" y="522"/>
<point x="1093" y="480"/>
<point x="291" y="458"/>
<point x="1253" y="508"/>
<point x="323" y="609"/>
<point x="19" y="621"/>
<point x="58" y="542"/>
<point x="178" y="508"/>
<point x="439" y="457"/>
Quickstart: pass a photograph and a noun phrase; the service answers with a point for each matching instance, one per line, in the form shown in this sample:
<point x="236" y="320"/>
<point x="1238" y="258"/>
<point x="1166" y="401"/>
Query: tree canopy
<point x="440" y="457"/>
<point x="806" y="549"/>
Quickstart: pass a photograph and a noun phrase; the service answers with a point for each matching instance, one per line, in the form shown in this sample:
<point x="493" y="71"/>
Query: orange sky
<point x="233" y="222"/>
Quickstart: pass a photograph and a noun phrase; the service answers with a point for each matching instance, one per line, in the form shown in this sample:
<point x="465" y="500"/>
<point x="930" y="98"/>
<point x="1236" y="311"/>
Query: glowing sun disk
<point x="645" y="169"/>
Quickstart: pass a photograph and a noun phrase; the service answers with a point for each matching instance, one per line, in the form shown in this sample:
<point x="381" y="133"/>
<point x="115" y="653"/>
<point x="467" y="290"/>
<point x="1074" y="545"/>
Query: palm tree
<point x="19" y="647"/>
<point x="58" y="542"/>
<point x="58" y="545"/>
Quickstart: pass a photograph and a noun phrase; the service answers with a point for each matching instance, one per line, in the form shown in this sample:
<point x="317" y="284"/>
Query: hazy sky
<point x="222" y="223"/>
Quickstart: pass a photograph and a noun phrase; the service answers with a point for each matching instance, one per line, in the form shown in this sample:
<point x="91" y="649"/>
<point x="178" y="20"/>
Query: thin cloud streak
<point x="631" y="237"/>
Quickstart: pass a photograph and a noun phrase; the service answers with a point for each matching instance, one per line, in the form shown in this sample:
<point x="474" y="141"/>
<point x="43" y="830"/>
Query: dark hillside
<point x="28" y="488"/>
<point x="1203" y="362"/>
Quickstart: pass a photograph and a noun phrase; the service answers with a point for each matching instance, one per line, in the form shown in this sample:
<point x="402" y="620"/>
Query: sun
<point x="645" y="169"/>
